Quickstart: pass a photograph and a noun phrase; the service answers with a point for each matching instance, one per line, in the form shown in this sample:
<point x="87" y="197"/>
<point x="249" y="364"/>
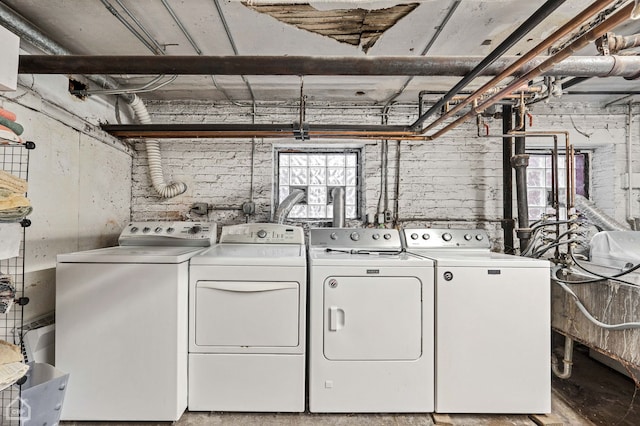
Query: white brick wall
<point x="455" y="178"/>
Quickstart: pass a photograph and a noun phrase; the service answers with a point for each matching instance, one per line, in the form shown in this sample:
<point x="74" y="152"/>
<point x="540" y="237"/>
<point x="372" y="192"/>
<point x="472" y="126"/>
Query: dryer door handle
<point x="336" y="318"/>
<point x="247" y="286"/>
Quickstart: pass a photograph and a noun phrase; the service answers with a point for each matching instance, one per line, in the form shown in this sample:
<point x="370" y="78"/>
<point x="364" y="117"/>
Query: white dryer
<point x="493" y="331"/>
<point x="371" y="323"/>
<point x="247" y="324"/>
<point x="121" y="323"/>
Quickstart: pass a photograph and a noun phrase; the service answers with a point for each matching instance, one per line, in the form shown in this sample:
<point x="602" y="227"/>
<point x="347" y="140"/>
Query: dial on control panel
<point x="355" y="236"/>
<point x="446" y="236"/>
<point x="262" y="233"/>
<point x="195" y="229"/>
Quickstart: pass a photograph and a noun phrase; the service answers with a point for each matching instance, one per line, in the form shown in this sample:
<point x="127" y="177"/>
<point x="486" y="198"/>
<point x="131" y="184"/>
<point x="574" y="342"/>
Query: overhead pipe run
<point x="536" y="18"/>
<point x="521" y="63"/>
<point x="616" y="19"/>
<point x="585" y="66"/>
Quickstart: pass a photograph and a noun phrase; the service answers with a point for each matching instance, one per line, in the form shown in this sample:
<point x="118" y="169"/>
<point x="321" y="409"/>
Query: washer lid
<point x="482" y="258"/>
<point x="253" y="254"/>
<point x="131" y="254"/>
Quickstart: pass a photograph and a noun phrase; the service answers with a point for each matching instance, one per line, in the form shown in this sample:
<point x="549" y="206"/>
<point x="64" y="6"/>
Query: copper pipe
<point x="619" y="17"/>
<point x="540" y="48"/>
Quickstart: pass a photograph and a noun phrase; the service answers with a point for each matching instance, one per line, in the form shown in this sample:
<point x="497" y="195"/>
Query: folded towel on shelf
<point x="7" y="114"/>
<point x="12" y="183"/>
<point x="11" y="239"/>
<point x="7" y="136"/>
<point x="15" y="127"/>
<point x="11" y="200"/>
<point x="7" y="293"/>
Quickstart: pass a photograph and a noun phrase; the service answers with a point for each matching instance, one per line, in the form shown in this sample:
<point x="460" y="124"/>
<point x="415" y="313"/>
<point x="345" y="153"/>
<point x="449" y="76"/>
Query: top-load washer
<point x="247" y="321"/>
<point x="493" y="331"/>
<point x="371" y="323"/>
<point x="121" y="323"/>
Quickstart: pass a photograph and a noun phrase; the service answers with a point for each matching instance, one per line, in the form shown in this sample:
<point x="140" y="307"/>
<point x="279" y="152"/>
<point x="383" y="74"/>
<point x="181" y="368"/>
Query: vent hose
<point x="284" y="208"/>
<point x="165" y="190"/>
<point x="339" y="211"/>
<point x="597" y="216"/>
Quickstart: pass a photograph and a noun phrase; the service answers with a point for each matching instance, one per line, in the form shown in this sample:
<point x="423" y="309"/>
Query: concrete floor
<point x="594" y="396"/>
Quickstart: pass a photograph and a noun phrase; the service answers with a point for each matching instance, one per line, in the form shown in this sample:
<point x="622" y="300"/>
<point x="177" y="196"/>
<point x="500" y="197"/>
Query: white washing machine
<point x="371" y="324"/>
<point x="121" y="323"/>
<point x="493" y="331"/>
<point x="247" y="326"/>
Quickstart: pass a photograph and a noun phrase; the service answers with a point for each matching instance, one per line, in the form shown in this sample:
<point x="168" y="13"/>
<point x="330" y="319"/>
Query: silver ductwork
<point x="339" y="209"/>
<point x="284" y="208"/>
<point x="600" y="219"/>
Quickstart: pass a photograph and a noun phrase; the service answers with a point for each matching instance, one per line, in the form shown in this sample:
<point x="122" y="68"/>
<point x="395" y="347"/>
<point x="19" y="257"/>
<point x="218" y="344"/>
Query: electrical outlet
<point x="387" y="216"/>
<point x="200" y="208"/>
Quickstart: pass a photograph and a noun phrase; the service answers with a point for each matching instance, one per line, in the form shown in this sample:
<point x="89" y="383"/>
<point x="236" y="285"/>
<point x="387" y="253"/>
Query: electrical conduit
<point x="165" y="190"/>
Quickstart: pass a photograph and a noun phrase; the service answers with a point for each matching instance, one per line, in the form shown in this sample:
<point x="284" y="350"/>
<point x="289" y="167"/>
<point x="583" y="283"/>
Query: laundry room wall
<point x="79" y="180"/>
<point x="455" y="180"/>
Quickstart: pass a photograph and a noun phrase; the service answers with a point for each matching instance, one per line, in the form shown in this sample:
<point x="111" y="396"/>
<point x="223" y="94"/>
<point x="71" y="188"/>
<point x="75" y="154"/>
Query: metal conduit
<point x="616" y="19"/>
<point x="522" y="61"/>
<point x="32" y="35"/>
<point x="535" y="19"/>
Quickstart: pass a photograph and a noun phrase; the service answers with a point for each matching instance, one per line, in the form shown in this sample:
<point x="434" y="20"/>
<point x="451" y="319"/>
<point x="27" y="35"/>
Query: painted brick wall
<point x="456" y="179"/>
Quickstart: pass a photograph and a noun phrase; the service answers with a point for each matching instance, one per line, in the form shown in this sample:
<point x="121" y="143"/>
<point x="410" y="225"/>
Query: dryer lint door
<point x="372" y="318"/>
<point x="247" y="313"/>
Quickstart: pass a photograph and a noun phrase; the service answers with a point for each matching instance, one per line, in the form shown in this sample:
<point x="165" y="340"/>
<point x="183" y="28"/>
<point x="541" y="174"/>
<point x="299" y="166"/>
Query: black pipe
<point x="536" y="18"/>
<point x="508" y="224"/>
<point x="573" y="82"/>
<point x="520" y="161"/>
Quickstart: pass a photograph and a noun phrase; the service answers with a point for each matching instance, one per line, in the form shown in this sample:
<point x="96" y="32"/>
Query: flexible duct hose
<point x="284" y="208"/>
<point x="597" y="216"/>
<point x="154" y="158"/>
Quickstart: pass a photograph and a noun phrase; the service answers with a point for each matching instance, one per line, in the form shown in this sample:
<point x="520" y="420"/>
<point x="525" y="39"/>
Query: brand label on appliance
<point x="494" y="271"/>
<point x="373" y="271"/>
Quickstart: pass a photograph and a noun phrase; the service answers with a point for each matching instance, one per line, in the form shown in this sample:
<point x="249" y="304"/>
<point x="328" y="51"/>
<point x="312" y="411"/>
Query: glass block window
<point x="539" y="183"/>
<point x="317" y="173"/>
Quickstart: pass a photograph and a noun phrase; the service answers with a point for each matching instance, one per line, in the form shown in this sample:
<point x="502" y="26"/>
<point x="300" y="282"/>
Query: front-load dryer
<point x="247" y="298"/>
<point x="371" y="324"/>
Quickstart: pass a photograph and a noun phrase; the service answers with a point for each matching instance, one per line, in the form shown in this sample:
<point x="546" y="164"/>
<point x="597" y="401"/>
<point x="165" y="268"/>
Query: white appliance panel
<point x="247" y="313"/>
<point x="248" y="382"/>
<point x="372" y="318"/>
<point x="371" y="386"/>
<point x="493" y="344"/>
<point x="121" y="333"/>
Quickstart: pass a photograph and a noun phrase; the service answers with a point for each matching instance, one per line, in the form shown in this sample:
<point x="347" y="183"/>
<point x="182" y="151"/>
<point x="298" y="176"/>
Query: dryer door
<point x="372" y="318"/>
<point x="247" y="313"/>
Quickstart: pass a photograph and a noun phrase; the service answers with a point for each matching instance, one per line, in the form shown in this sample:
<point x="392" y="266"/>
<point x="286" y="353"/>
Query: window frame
<point x="586" y="170"/>
<point x="357" y="149"/>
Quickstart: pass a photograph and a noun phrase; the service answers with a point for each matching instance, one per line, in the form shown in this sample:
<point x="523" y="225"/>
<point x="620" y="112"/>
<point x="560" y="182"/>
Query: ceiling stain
<point x="357" y="27"/>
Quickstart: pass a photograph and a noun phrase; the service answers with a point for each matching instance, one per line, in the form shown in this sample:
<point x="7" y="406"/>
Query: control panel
<point x="355" y="238"/>
<point x="188" y="234"/>
<point x="446" y="238"/>
<point x="262" y="233"/>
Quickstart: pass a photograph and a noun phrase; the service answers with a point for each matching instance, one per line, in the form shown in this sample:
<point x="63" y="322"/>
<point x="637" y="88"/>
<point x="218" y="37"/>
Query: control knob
<point x="387" y="236"/>
<point x="355" y="236"/>
<point x="195" y="229"/>
<point x="376" y="236"/>
<point x="425" y="236"/>
<point x="414" y="236"/>
<point x="467" y="237"/>
<point x="333" y="236"/>
<point x="262" y="233"/>
<point x="170" y="230"/>
<point x="479" y="237"/>
<point x="446" y="236"/>
<point x="158" y="230"/>
<point x="134" y="229"/>
<point x="146" y="229"/>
